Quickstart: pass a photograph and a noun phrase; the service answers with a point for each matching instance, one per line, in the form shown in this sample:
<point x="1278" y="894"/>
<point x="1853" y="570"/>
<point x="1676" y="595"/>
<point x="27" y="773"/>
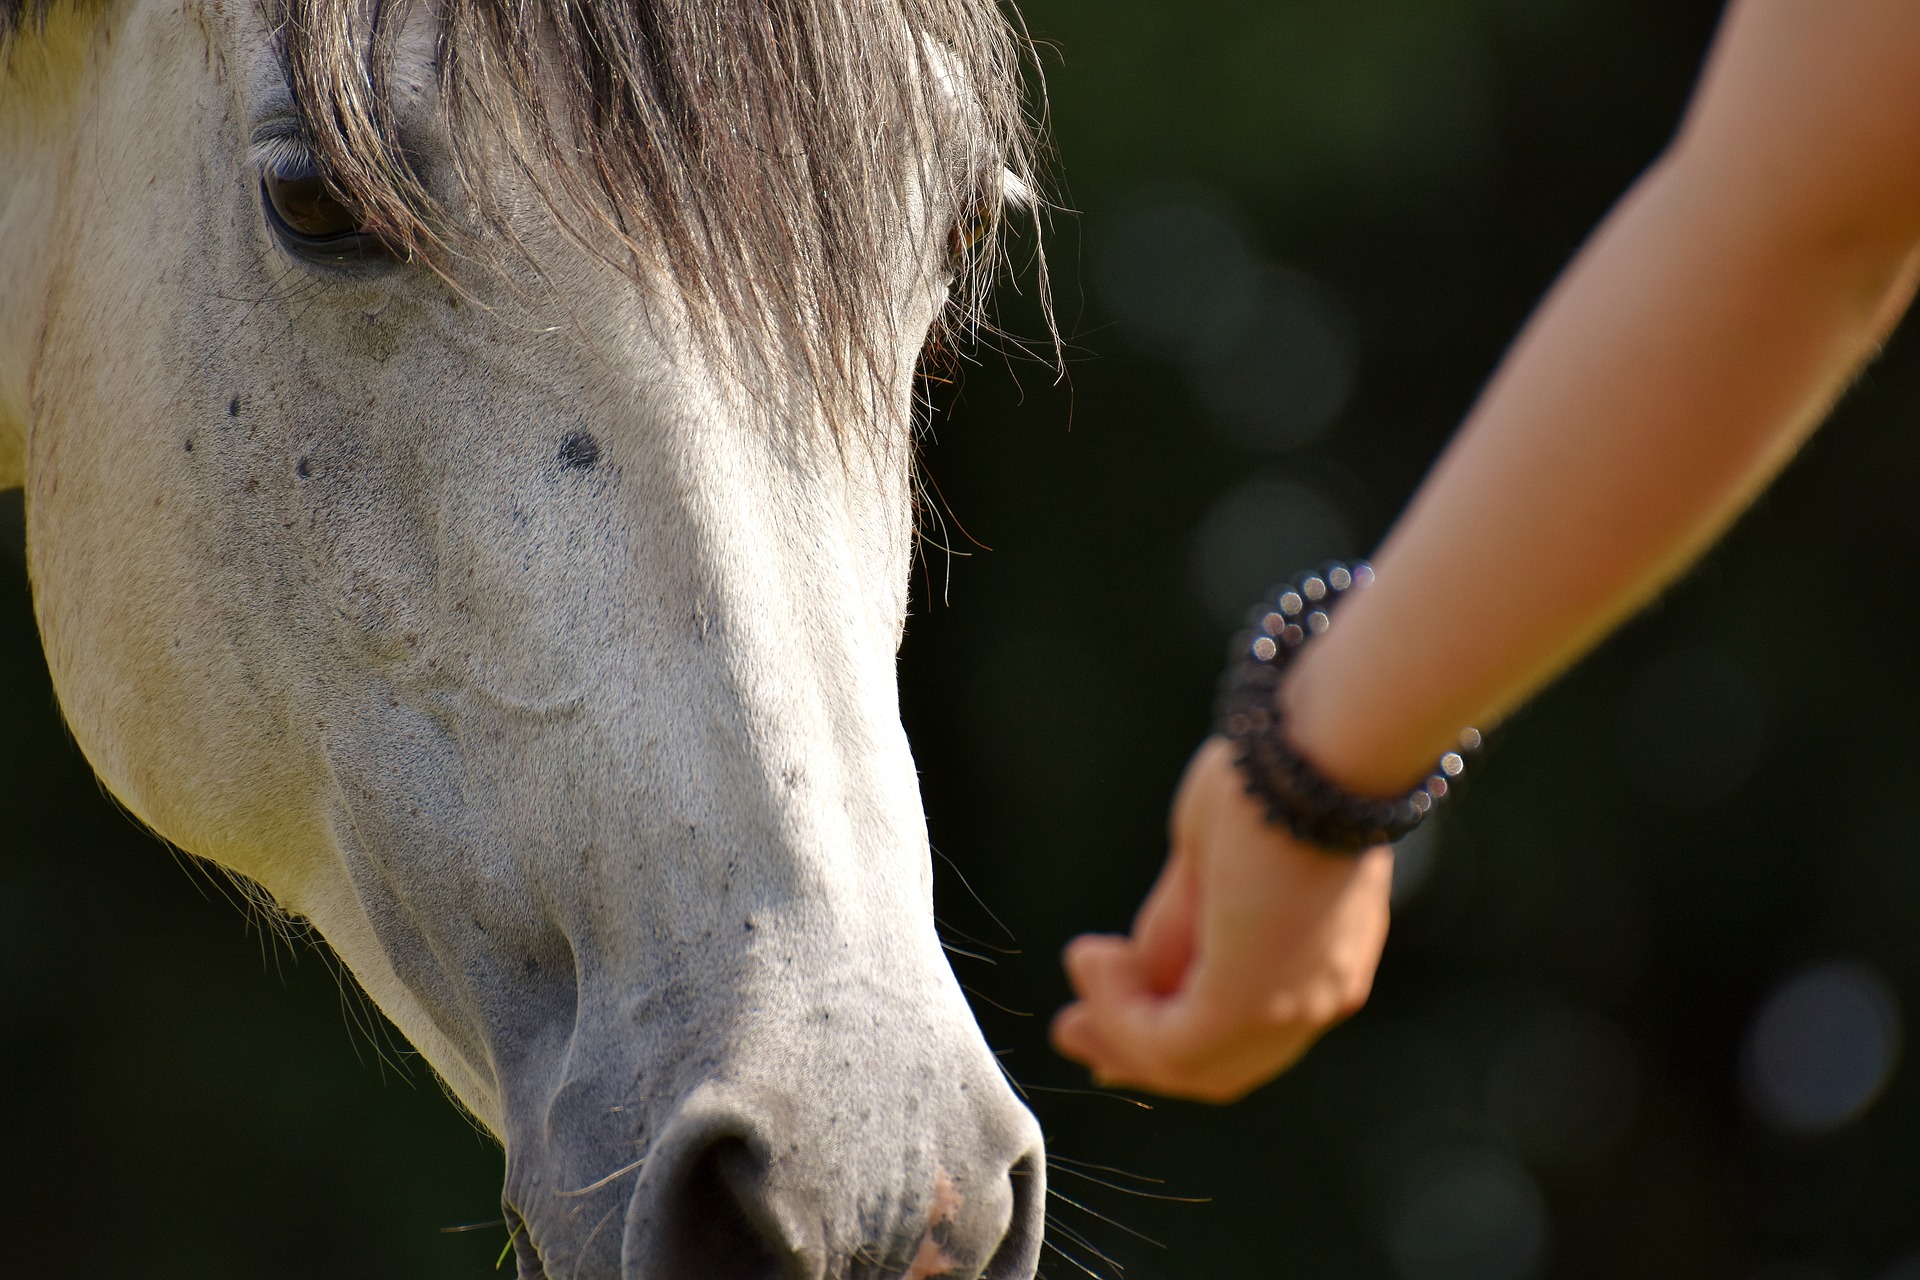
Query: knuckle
<point x="1286" y="1008"/>
<point x="1180" y="1062"/>
<point x="1320" y="1008"/>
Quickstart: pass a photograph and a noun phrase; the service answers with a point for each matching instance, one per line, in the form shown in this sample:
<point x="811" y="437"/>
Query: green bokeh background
<point x="185" y="1097"/>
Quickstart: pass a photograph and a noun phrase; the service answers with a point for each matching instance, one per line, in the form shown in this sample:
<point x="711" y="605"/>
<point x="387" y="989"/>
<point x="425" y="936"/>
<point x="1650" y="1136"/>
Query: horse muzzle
<point x="870" y="1138"/>
<point x="732" y="1190"/>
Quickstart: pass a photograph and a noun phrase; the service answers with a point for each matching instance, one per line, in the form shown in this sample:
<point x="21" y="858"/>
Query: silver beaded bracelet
<point x="1296" y="794"/>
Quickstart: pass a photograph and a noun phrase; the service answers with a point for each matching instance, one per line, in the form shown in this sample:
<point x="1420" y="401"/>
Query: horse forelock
<point x="43" y="44"/>
<point x="761" y="154"/>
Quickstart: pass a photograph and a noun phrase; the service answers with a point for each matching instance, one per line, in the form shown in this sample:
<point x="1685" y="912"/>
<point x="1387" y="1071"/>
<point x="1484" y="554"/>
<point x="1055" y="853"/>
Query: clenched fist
<point x="1249" y="947"/>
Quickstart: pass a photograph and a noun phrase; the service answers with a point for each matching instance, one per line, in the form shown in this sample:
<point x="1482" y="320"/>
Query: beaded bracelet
<point x="1297" y="795"/>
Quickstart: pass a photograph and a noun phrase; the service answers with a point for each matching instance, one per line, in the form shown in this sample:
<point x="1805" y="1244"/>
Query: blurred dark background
<point x="1641" y="1014"/>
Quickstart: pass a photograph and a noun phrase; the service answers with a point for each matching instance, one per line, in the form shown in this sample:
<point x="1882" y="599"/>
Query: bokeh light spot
<point x="1284" y="375"/>
<point x="1821" y="1048"/>
<point x="1257" y="536"/>
<point x="1271" y="351"/>
<point x="1179" y="277"/>
<point x="1468" y="1214"/>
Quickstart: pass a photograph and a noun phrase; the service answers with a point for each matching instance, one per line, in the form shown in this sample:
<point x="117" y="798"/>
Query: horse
<point x="468" y="464"/>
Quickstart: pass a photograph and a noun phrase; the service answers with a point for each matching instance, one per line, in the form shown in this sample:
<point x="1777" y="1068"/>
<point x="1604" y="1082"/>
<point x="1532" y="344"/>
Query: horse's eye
<point x="308" y="208"/>
<point x="969" y="229"/>
<point x="311" y="221"/>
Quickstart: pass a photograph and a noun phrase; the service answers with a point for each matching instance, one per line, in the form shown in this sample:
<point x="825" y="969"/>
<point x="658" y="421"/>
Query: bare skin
<point x="1696" y="341"/>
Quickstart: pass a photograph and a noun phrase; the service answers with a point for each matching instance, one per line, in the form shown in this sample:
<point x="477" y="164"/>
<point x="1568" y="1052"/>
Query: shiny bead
<point x="1293" y="792"/>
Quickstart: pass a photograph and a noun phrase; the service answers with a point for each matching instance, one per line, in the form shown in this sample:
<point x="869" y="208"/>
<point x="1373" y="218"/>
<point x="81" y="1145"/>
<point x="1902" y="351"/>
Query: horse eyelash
<point x="283" y="152"/>
<point x="1015" y="191"/>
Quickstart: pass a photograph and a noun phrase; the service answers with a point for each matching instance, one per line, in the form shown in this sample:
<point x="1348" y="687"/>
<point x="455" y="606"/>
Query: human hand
<point x="1249" y="947"/>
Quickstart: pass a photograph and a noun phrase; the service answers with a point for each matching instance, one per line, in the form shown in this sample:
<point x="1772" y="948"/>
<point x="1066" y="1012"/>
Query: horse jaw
<point x="545" y="666"/>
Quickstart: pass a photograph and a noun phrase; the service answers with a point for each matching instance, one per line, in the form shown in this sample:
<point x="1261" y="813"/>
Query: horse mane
<point x="17" y="14"/>
<point x="42" y="46"/>
<point x="764" y="153"/>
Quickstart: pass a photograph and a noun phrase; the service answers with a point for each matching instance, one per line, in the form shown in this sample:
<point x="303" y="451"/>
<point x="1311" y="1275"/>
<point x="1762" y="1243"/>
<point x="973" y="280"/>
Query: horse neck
<point x="46" y="76"/>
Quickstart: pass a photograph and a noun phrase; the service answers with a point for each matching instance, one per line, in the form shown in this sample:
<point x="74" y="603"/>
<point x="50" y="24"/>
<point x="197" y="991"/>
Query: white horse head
<point x="467" y="449"/>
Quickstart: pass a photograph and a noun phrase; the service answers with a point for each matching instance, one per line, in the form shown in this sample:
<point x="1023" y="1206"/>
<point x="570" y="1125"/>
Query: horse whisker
<point x="962" y="951"/>
<point x="1092" y="1093"/>
<point x="1054" y="1224"/>
<point x="1130" y="1191"/>
<point x="1017" y="1087"/>
<point x="1056" y="1158"/>
<point x="578" y="1257"/>
<point x="473" y="1226"/>
<point x="978" y="942"/>
<point x="962" y="877"/>
<point x="595" y="1186"/>
<point x="1018" y="1013"/>
<point x="1047" y="1241"/>
<point x="1095" y="1213"/>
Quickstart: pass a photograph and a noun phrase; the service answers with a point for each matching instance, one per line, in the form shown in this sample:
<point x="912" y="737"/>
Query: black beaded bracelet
<point x="1297" y="795"/>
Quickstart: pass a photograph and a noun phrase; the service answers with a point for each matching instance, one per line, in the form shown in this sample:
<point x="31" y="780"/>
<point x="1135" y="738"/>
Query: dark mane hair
<point x="15" y="14"/>
<point x="764" y="153"/>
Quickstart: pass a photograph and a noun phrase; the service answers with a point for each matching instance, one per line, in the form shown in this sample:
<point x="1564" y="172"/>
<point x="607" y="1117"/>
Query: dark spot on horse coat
<point x="303" y="468"/>
<point x="579" y="450"/>
<point x="189" y="446"/>
<point x="233" y="407"/>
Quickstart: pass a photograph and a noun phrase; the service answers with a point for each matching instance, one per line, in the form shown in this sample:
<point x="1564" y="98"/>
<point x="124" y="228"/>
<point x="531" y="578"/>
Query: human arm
<point x="1696" y="340"/>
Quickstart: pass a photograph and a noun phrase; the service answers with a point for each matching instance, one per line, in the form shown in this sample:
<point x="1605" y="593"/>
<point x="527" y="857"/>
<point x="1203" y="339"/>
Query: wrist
<point x="1318" y="808"/>
<point x="1348" y="730"/>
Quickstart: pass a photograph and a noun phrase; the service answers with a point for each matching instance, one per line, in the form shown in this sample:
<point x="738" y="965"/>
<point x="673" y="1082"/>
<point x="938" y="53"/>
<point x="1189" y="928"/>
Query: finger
<point x="1177" y="1047"/>
<point x="1102" y="967"/>
<point x="1166" y="929"/>
<point x="1112" y="1028"/>
<point x="1133" y="1035"/>
<point x="1076" y="1035"/>
<point x="1187" y="1046"/>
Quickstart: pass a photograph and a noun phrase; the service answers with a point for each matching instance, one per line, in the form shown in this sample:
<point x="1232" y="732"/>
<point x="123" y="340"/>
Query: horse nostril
<point x="1018" y="1254"/>
<point x="722" y="1227"/>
